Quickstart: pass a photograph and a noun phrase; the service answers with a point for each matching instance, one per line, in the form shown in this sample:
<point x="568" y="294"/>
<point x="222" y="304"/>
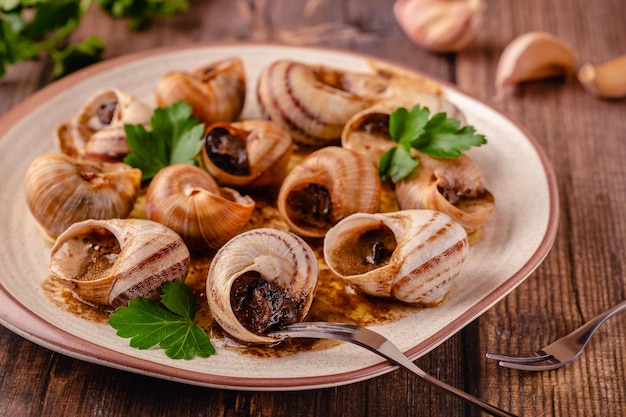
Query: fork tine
<point x="534" y="357"/>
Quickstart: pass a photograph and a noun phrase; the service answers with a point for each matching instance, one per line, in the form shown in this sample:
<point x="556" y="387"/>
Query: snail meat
<point x="249" y="153"/>
<point x="410" y="255"/>
<point x="328" y="185"/>
<point x="260" y="280"/>
<point x="107" y="263"/>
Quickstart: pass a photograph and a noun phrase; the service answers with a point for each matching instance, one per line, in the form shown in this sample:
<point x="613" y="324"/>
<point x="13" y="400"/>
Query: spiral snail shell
<point x="249" y="153"/>
<point x="309" y="101"/>
<point x="107" y="263"/>
<point x="187" y="199"/>
<point x="454" y="186"/>
<point x="61" y="190"/>
<point x="215" y="91"/>
<point x="410" y="255"/>
<point x="328" y="185"/>
<point x="97" y="130"/>
<point x="259" y="280"/>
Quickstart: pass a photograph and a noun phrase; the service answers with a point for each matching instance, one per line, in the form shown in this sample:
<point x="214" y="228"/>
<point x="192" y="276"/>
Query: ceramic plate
<point x="516" y="238"/>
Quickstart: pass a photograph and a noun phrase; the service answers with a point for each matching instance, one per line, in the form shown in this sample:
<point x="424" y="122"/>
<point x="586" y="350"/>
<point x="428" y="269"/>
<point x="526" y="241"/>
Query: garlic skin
<point x="439" y="25"/>
<point x="61" y="190"/>
<point x="605" y="80"/>
<point x="534" y="56"/>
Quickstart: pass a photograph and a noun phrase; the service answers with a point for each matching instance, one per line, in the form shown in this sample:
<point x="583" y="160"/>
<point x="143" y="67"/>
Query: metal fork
<point x="561" y="352"/>
<point x="380" y="345"/>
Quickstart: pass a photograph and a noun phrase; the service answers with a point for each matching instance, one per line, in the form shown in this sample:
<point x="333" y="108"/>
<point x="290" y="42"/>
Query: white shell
<point x="148" y="254"/>
<point x="430" y="251"/>
<point x="280" y="257"/>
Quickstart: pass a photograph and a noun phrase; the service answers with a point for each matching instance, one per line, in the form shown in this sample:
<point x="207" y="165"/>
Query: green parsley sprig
<point x="170" y="325"/>
<point x="175" y="138"/>
<point x="30" y="28"/>
<point x="439" y="136"/>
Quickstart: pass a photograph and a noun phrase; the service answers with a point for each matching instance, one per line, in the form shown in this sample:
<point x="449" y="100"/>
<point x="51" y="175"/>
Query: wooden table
<point x="584" y="137"/>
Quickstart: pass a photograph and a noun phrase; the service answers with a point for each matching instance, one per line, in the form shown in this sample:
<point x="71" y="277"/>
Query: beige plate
<point x="517" y="238"/>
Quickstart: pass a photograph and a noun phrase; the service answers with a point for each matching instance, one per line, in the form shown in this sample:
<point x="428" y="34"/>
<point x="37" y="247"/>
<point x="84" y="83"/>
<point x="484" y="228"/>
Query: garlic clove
<point x="606" y="80"/>
<point x="534" y="56"/>
<point x="439" y="26"/>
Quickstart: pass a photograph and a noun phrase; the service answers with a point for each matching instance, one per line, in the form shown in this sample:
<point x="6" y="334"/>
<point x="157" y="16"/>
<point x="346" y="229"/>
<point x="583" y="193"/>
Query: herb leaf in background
<point x="175" y="138"/>
<point x="138" y="11"/>
<point x="170" y="325"/>
<point x="439" y="136"/>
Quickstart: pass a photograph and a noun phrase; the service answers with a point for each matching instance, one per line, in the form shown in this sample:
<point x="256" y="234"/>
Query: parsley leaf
<point x="138" y="11"/>
<point x="439" y="136"/>
<point x="172" y="328"/>
<point x="175" y="138"/>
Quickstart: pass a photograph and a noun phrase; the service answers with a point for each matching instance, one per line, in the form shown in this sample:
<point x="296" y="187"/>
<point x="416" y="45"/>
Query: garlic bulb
<point x="439" y="25"/>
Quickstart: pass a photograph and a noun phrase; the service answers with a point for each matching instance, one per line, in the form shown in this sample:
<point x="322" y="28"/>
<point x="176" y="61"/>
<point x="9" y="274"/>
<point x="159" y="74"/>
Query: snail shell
<point x="328" y="185"/>
<point x="259" y="280"/>
<point x="309" y="101"/>
<point x="61" y="190"/>
<point x="453" y="186"/>
<point x="249" y="153"/>
<point x="187" y="199"/>
<point x="410" y="255"/>
<point x="367" y="132"/>
<point x="110" y="262"/>
<point x="97" y="130"/>
<point x="216" y="91"/>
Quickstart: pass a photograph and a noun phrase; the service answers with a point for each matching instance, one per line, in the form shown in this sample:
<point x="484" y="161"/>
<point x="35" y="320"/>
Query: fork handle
<point x="584" y="332"/>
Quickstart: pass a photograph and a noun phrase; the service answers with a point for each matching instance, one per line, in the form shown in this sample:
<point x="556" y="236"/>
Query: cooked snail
<point x="259" y="280"/>
<point x="97" y="130"/>
<point x="249" y="153"/>
<point x="328" y="185"/>
<point x="187" y="199"/>
<point x="216" y="91"/>
<point x="311" y="102"/>
<point x="453" y="186"/>
<point x="367" y="132"/>
<point x="61" y="190"/>
<point x="410" y="255"/>
<point x="107" y="263"/>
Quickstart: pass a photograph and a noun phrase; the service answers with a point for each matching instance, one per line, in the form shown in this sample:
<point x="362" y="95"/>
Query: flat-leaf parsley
<point x="439" y="136"/>
<point x="170" y="326"/>
<point x="175" y="138"/>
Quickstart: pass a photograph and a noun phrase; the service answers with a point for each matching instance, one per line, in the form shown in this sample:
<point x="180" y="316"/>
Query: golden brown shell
<point x="453" y="186"/>
<point x="216" y="91"/>
<point x="187" y="199"/>
<point x="410" y="255"/>
<point x="260" y="280"/>
<point x="309" y="101"/>
<point x="328" y="185"/>
<point x="61" y="190"/>
<point x="110" y="262"/>
<point x="97" y="130"/>
<point x="249" y="153"/>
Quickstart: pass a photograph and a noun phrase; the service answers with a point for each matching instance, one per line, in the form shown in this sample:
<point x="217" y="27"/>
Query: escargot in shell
<point x="260" y="280"/>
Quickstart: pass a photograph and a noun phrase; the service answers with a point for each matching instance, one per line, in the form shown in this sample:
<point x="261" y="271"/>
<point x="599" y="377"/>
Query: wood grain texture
<point x="584" y="138"/>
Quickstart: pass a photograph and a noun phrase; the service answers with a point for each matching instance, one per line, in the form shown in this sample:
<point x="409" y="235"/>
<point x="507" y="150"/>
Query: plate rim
<point x="22" y="321"/>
